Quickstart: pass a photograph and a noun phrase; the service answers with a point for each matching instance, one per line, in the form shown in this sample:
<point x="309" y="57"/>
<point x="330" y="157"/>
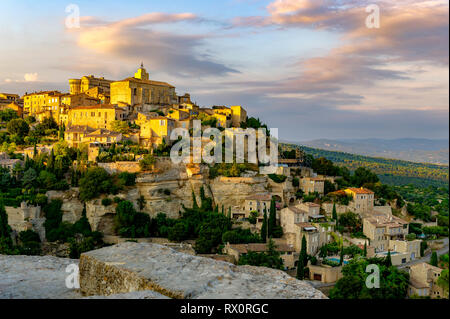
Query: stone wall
<point x="130" y="267"/>
<point x="120" y="167"/>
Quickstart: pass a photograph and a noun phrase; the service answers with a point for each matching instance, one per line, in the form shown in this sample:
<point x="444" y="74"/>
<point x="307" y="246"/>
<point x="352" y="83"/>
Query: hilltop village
<point x="91" y="167"/>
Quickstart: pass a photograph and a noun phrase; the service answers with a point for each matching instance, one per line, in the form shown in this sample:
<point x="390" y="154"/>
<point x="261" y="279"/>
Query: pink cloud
<point x="134" y="39"/>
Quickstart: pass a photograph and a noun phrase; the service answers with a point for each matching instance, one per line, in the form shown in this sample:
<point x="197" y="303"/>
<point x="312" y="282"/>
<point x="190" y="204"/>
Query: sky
<point x="311" y="68"/>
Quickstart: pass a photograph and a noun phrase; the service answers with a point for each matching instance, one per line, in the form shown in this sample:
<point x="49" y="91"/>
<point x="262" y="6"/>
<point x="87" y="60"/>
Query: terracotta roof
<point x="386" y="221"/>
<point x="151" y="82"/>
<point x="98" y="106"/>
<point x="361" y="190"/>
<point x="44" y="92"/>
<point x="245" y="248"/>
<point x="102" y="133"/>
<point x="338" y="193"/>
<point x="297" y="210"/>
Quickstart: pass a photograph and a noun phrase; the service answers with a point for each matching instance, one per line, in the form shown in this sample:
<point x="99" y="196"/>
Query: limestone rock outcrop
<point x="129" y="267"/>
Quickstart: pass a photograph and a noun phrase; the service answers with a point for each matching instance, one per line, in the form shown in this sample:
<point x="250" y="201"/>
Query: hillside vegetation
<point x="390" y="171"/>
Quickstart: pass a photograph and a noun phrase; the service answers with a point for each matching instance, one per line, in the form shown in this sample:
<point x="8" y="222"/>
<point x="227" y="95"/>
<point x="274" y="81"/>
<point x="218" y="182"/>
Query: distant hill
<point x="390" y="171"/>
<point x="408" y="149"/>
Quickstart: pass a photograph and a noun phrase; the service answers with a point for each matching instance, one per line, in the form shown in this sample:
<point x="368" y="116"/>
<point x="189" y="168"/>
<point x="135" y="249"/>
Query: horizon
<point x="339" y="79"/>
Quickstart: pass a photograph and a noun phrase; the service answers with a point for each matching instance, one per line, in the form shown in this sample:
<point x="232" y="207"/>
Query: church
<point x="140" y="90"/>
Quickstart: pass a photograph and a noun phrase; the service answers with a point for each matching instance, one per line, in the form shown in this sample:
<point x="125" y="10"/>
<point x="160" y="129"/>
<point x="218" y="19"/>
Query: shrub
<point x="106" y="201"/>
<point x="130" y="223"/>
<point x="128" y="178"/>
<point x="277" y="178"/>
<point x="30" y="243"/>
<point x="147" y="162"/>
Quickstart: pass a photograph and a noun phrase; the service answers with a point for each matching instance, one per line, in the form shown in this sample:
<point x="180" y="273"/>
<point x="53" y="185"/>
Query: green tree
<point x="194" y="201"/>
<point x="147" y="162"/>
<point x="253" y="218"/>
<point x="6" y="243"/>
<point x="434" y="259"/>
<point x="272" y="223"/>
<point x="365" y="249"/>
<point x="130" y="223"/>
<point x="388" y="259"/>
<point x="120" y="126"/>
<point x="264" y="229"/>
<point x="341" y="256"/>
<point x="18" y="127"/>
<point x="96" y="181"/>
<point x="334" y="213"/>
<point x="302" y="260"/>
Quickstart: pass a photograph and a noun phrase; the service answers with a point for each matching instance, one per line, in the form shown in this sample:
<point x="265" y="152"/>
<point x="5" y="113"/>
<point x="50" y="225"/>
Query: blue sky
<point x="309" y="67"/>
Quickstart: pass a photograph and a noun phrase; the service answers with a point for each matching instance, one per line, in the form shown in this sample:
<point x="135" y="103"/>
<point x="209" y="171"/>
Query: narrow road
<point x="426" y="258"/>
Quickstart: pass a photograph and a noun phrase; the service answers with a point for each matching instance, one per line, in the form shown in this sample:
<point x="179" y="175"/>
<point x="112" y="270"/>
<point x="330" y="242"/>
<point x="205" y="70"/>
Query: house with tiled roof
<point x="423" y="279"/>
<point x="362" y="200"/>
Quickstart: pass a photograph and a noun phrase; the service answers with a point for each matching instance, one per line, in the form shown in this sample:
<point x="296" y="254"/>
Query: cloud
<point x="30" y="77"/>
<point x="411" y="33"/>
<point x="136" y="39"/>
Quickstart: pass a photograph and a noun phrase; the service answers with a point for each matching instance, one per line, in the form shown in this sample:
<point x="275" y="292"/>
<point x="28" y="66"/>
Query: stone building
<point x="90" y="85"/>
<point x="380" y="229"/>
<point x="97" y="116"/>
<point x="238" y="115"/>
<point x="255" y="203"/>
<point x="41" y="101"/>
<point x="423" y="281"/>
<point x="156" y="129"/>
<point x="298" y="221"/>
<point x="139" y="90"/>
<point x="312" y="185"/>
<point x="363" y="200"/>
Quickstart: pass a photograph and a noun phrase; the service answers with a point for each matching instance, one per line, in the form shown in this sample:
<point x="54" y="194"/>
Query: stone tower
<point x="141" y="73"/>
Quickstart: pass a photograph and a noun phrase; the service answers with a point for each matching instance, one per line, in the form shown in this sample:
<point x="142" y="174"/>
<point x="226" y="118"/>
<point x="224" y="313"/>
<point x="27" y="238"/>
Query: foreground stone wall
<point x="129" y="267"/>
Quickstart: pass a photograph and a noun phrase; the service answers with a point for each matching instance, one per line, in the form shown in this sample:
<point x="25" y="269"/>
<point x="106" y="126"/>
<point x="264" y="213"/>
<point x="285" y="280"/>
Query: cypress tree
<point x="5" y="230"/>
<point x="334" y="214"/>
<point x="223" y="210"/>
<point x="388" y="259"/>
<point x="194" y="201"/>
<point x="365" y="249"/>
<point x="434" y="259"/>
<point x="302" y="260"/>
<point x="341" y="259"/>
<point x="51" y="161"/>
<point x="229" y="213"/>
<point x="264" y="229"/>
<point x="272" y="218"/>
<point x="6" y="243"/>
